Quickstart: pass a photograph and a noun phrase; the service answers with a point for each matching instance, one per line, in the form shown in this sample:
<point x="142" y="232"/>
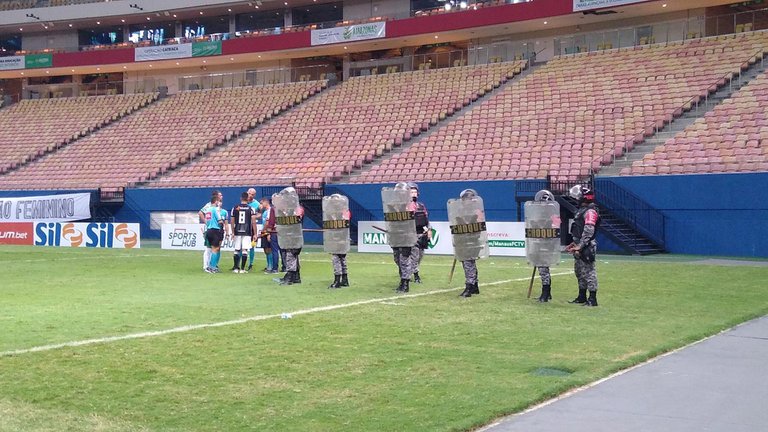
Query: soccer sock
<point x="243" y="261"/>
<point x="215" y="259"/>
<point x="237" y="259"/>
<point x="251" y="255"/>
<point x="207" y="258"/>
<point x="269" y="261"/>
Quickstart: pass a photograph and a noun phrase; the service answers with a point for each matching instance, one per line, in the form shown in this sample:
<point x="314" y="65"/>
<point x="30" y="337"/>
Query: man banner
<point x="47" y="208"/>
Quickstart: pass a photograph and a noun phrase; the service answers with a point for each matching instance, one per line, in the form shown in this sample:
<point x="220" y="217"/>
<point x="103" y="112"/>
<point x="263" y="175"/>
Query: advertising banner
<point x="12" y="62"/>
<point x="17" y="233"/>
<point x="202" y="49"/>
<point x="47" y="208"/>
<point x="191" y="237"/>
<point x="33" y="61"/>
<point x="90" y="235"/>
<point x="351" y="33"/>
<point x="584" y="5"/>
<point x="504" y="238"/>
<point x="163" y="52"/>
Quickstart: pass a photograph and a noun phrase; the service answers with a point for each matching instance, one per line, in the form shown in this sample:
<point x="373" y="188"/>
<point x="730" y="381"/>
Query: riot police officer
<point x="289" y="217"/>
<point x="336" y="221"/>
<point x="584" y="246"/>
<point x="401" y="230"/>
<point x="423" y="232"/>
<point x="470" y="238"/>
<point x="544" y="271"/>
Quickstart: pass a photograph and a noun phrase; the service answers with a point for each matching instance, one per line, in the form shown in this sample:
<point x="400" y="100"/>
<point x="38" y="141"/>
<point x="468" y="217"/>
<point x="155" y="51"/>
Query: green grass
<point x="434" y="362"/>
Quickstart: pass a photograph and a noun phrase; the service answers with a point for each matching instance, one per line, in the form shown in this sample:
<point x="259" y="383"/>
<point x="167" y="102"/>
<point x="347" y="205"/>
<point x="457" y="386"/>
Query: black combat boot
<point x="416" y="278"/>
<point x="581" y="299"/>
<point x="344" y="281"/>
<point x="475" y="289"/>
<point x="287" y="279"/>
<point x="467" y="290"/>
<point x="545" y="294"/>
<point x="404" y="286"/>
<point x="297" y="277"/>
<point x="336" y="282"/>
<point x="592" y="300"/>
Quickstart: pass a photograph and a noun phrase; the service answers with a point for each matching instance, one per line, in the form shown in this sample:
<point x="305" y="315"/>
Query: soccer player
<point x="243" y="226"/>
<point x="216" y="224"/>
<point x="202" y="215"/>
<point x="271" y="247"/>
<point x="256" y="206"/>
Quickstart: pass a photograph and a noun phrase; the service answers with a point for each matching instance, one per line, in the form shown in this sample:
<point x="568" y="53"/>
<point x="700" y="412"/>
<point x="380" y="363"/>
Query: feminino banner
<point x="351" y="33"/>
<point x="191" y="237"/>
<point x="89" y="235"/>
<point x="583" y="5"/>
<point x="504" y="238"/>
<point x="47" y="208"/>
<point x="163" y="52"/>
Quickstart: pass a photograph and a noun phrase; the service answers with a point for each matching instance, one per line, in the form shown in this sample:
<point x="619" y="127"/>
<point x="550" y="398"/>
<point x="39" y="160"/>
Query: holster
<point x="588" y="254"/>
<point x="422" y="242"/>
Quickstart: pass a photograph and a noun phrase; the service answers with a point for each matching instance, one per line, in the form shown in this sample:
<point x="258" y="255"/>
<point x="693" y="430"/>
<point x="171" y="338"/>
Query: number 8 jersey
<point x="242" y="214"/>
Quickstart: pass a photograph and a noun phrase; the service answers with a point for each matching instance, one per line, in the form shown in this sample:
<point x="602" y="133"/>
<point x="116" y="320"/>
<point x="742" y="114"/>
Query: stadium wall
<point x="709" y="214"/>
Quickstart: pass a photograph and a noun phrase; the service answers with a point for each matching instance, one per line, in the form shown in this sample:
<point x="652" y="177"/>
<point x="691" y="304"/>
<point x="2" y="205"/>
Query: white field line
<point x="572" y="392"/>
<point x="193" y="327"/>
<point x="85" y="257"/>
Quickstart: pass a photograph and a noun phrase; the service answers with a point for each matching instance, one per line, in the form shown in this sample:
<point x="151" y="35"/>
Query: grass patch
<point x="435" y="362"/>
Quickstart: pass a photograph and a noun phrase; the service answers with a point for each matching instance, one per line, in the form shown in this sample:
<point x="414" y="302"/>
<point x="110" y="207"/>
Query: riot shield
<point x="287" y="218"/>
<point x="542" y="233"/>
<point x="336" y="224"/>
<point x="467" y="219"/>
<point x="398" y="216"/>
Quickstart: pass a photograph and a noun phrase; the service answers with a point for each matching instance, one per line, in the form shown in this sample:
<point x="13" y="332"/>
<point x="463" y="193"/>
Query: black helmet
<point x="544" y="195"/>
<point x="468" y="194"/>
<point x="412" y="185"/>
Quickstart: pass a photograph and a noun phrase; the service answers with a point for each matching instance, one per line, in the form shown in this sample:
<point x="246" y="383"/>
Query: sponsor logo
<point x="507" y="243"/>
<point x="180" y="238"/>
<point x="73" y="236"/>
<point x="435" y="238"/>
<point x="16" y="234"/>
<point x="375" y="238"/>
<point x="91" y="235"/>
<point x="125" y="235"/>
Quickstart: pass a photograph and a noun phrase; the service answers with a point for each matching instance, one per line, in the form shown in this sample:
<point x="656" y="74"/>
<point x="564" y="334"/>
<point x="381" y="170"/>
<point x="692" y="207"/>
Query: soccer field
<point x="141" y="356"/>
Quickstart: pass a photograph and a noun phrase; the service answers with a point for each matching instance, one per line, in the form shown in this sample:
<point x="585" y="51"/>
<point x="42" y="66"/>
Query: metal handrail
<point x="631" y="209"/>
<point x="693" y="101"/>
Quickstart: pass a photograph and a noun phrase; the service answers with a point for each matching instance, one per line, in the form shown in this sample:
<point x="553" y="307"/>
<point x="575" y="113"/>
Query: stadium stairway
<point x="441" y="123"/>
<point x="90" y="131"/>
<point x="677" y="125"/>
<point x="226" y="142"/>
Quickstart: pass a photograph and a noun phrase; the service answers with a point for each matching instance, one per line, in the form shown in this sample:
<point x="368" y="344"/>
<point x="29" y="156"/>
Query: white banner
<point x="47" y="208"/>
<point x="351" y="33"/>
<point x="191" y="237"/>
<point x="583" y="5"/>
<point x="504" y="238"/>
<point x="13" y="62"/>
<point x="163" y="52"/>
<point x="90" y="235"/>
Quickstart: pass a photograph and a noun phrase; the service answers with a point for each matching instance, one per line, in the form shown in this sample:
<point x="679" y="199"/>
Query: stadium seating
<point x="34" y="127"/>
<point x="171" y="131"/>
<point x="574" y="114"/>
<point x="727" y="139"/>
<point x="349" y="125"/>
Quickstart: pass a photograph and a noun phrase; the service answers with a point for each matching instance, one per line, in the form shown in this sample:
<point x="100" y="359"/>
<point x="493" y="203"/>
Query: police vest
<point x="420" y="216"/>
<point x="577" y="229"/>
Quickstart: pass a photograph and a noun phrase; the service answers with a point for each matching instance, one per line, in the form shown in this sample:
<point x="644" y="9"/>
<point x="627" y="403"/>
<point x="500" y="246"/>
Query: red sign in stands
<point x="17" y="233"/>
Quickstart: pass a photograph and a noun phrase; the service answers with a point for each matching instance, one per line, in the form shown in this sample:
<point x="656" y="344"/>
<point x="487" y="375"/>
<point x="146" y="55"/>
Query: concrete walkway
<point x="720" y="384"/>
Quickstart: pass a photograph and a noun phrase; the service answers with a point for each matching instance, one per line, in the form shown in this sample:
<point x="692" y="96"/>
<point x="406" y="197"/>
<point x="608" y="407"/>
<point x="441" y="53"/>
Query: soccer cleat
<point x="467" y="290"/>
<point x="209" y="270"/>
<point x="236" y="270"/>
<point x="243" y="271"/>
<point x="581" y="299"/>
<point x="250" y="267"/>
<point x="416" y="278"/>
<point x="475" y="289"/>
<point x="592" y="300"/>
<point x="336" y="282"/>
<point x="215" y="270"/>
<point x="344" y="280"/>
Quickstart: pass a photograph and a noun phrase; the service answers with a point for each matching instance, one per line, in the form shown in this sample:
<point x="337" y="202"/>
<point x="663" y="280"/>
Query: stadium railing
<point x="256" y="77"/>
<point x="6" y="5"/>
<point x="631" y="209"/>
<point x="48" y="91"/>
<point x="653" y="127"/>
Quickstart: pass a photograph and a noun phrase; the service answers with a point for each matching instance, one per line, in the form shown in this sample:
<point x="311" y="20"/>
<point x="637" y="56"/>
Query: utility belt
<point x="587" y="254"/>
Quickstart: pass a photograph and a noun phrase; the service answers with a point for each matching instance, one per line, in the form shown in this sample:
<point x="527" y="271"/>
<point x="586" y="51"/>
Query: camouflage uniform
<point x="422" y="225"/>
<point x="292" y="260"/>
<point x="470" y="271"/>
<point x="339" y="264"/>
<point x="583" y="233"/>
<point x="546" y="277"/>
<point x="404" y="259"/>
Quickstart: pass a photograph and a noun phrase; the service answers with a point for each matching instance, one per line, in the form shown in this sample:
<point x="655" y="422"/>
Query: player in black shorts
<point x="243" y="226"/>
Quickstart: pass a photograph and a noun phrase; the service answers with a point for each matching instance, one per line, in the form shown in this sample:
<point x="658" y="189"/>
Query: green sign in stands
<point x="203" y="49"/>
<point x="35" y="61"/>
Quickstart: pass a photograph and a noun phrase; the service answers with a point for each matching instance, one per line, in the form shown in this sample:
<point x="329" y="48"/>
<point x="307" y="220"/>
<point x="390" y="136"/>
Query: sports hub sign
<point x="353" y="33"/>
<point x="191" y="237"/>
<point x="504" y="238"/>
